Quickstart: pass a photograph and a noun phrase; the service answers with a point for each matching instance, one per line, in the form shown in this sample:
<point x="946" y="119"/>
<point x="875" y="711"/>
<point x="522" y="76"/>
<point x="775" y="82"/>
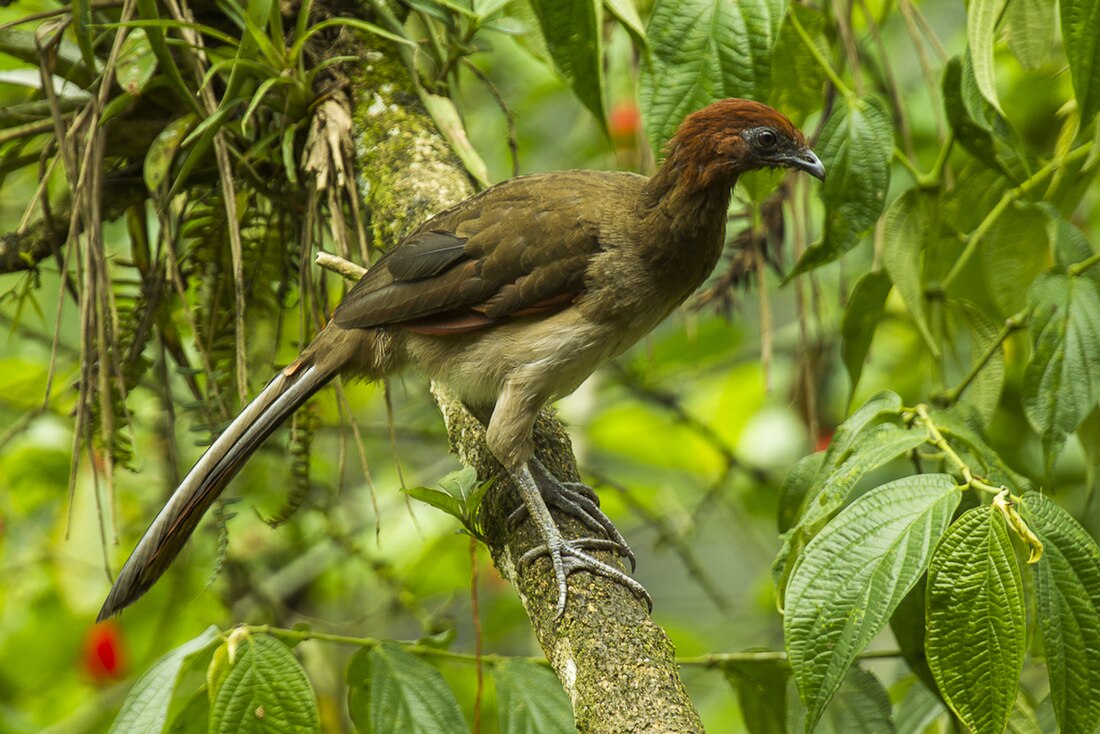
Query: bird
<point x="511" y="299"/>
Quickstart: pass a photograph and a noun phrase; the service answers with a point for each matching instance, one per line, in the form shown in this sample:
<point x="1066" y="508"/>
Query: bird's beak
<point x="806" y="160"/>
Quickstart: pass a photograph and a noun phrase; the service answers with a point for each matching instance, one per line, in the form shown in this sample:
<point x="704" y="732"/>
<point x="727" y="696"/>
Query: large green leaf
<point x="797" y="77"/>
<point x="882" y="407"/>
<point x="861" y="316"/>
<point x="977" y="632"/>
<point x="878" y="444"/>
<point x="850" y="578"/>
<point x="918" y="708"/>
<point x="972" y="134"/>
<point x="860" y="706"/>
<point x="796" y="485"/>
<point x="701" y="51"/>
<point x="530" y="700"/>
<point x="1067" y="588"/>
<point x="984" y="392"/>
<point x="626" y="13"/>
<point x="856" y="147"/>
<point x="981" y="31"/>
<point x="1081" y="38"/>
<point x="145" y="710"/>
<point x="907" y="231"/>
<point x="572" y="29"/>
<point x="762" y="694"/>
<point x="1015" y="251"/>
<point x="1030" y="25"/>
<point x="1061" y="380"/>
<point x="391" y="690"/>
<point x="264" y="689"/>
<point x="908" y="625"/>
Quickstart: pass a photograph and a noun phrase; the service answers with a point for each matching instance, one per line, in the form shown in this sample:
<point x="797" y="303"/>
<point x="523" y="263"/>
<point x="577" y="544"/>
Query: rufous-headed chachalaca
<point x="511" y="299"/>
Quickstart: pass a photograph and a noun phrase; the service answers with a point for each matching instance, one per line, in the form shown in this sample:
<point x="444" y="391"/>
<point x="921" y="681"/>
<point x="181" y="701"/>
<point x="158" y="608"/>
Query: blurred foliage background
<point x="688" y="437"/>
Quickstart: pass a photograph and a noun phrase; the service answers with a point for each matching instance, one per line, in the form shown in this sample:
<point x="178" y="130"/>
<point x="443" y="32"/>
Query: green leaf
<point x="962" y="427"/>
<point x="908" y="623"/>
<point x="860" y="706"/>
<point x="437" y="499"/>
<point x="702" y="51"/>
<point x="1030" y="25"/>
<point x="981" y="31"/>
<point x="878" y="444"/>
<point x="856" y="147"/>
<point x="460" y="484"/>
<point x="1089" y="434"/>
<point x="1070" y="244"/>
<point x="973" y="134"/>
<point x="852" y="576"/>
<point x="390" y="690"/>
<point x="1081" y="38"/>
<point x="136" y="62"/>
<point x="796" y="485"/>
<point x="918" y="708"/>
<point x="797" y="78"/>
<point x="977" y="631"/>
<point x="1016" y="251"/>
<point x="762" y="694"/>
<point x="572" y="29"/>
<point x="82" y="29"/>
<point x="1067" y="588"/>
<point x="627" y="14"/>
<point x="264" y="690"/>
<point x="907" y="229"/>
<point x="883" y="406"/>
<point x="530" y="700"/>
<point x="861" y="316"/>
<point x="148" y="11"/>
<point x="145" y="710"/>
<point x="158" y="160"/>
<point x="1060" y="380"/>
<point x="984" y="392"/>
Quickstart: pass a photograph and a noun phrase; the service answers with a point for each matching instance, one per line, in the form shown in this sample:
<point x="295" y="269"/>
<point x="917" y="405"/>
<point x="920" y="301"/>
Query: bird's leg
<point x="577" y="500"/>
<point x="567" y="556"/>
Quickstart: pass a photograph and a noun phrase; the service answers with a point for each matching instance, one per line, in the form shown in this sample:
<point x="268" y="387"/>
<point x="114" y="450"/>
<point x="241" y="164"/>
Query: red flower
<point x="623" y="121"/>
<point x="104" y="652"/>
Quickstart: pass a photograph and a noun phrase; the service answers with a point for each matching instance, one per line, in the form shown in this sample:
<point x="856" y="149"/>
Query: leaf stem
<point x="1010" y="197"/>
<point x="1012" y="324"/>
<point x="909" y="164"/>
<point x="712" y="660"/>
<point x="937" y="439"/>
<point x="1078" y="268"/>
<point x="834" y="78"/>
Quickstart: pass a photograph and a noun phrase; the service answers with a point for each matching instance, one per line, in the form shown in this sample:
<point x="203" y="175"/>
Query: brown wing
<point x="519" y="248"/>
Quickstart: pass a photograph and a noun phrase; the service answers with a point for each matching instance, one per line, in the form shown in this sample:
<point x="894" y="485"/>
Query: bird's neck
<point x="687" y="198"/>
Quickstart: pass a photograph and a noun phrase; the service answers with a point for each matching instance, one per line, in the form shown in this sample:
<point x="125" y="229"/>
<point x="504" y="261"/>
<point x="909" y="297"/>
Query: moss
<point x="407" y="172"/>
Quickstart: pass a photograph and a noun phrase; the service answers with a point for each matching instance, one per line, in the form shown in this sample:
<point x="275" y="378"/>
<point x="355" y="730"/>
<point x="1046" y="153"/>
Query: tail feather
<point x="171" y="528"/>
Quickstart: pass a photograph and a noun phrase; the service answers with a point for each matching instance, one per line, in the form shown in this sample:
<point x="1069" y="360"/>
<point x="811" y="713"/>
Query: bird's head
<point x="727" y="138"/>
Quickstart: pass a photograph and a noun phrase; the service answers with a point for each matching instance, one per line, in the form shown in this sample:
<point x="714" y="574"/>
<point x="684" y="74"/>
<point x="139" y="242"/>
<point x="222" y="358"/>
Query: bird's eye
<point x="767" y="139"/>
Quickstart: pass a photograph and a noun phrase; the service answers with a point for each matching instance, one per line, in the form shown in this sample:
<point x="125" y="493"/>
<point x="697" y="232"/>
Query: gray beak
<point x="806" y="160"/>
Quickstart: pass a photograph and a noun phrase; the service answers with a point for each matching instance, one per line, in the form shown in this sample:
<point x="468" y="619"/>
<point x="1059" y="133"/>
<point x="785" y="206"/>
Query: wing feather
<point x="519" y="248"/>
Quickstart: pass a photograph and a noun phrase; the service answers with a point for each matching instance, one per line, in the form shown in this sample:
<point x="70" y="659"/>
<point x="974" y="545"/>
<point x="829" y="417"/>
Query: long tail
<point x="181" y="515"/>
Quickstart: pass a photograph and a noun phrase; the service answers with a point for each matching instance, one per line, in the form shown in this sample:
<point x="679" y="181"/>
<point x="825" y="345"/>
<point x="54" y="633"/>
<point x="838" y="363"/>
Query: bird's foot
<point x="570" y="556"/>
<point x="579" y="501"/>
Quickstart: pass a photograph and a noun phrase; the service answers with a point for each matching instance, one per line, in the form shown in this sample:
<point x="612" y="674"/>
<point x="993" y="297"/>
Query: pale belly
<point x="549" y="356"/>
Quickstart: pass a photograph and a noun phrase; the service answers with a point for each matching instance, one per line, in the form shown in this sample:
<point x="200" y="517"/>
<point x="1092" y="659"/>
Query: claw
<point x="569" y="556"/>
<point x="577" y="500"/>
